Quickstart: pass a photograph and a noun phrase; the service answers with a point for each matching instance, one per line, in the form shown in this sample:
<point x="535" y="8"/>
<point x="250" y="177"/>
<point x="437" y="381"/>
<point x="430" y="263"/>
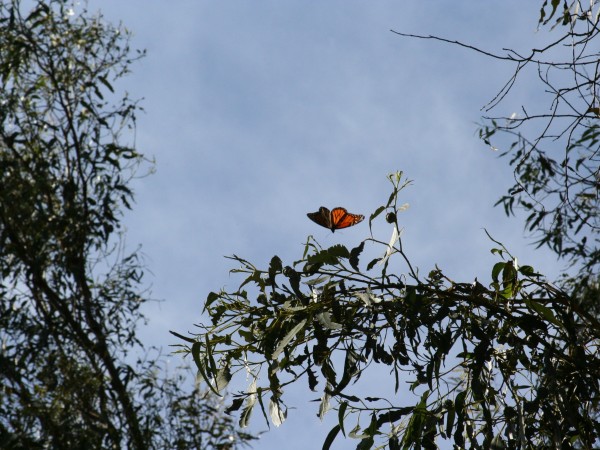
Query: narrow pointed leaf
<point x="288" y="338"/>
<point x="331" y="437"/>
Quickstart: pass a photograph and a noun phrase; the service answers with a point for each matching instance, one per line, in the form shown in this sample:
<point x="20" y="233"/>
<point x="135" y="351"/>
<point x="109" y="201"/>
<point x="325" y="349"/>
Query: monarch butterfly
<point x="335" y="219"/>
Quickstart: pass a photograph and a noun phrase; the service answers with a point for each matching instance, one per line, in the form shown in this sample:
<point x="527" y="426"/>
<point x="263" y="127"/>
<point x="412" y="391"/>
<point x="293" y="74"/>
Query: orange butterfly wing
<point x="335" y="219"/>
<point x="340" y="218"/>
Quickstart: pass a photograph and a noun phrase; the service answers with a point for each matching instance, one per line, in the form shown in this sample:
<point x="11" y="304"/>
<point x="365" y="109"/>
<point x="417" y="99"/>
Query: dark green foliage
<point x="553" y="146"/>
<point x="69" y="295"/>
<point x="511" y="365"/>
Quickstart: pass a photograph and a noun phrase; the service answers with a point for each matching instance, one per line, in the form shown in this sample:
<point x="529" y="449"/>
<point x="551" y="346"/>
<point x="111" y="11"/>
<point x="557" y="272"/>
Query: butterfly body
<point x="335" y="219"/>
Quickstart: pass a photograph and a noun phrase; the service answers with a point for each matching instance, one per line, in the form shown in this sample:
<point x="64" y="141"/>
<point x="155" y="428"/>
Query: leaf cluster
<point x="514" y="364"/>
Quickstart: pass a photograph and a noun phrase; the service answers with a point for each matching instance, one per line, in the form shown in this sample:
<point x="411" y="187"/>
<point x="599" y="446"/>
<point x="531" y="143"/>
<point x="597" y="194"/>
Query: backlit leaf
<point x="288" y="338"/>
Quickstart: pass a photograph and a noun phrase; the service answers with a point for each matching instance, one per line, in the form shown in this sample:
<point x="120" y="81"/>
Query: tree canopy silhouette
<point x="70" y="294"/>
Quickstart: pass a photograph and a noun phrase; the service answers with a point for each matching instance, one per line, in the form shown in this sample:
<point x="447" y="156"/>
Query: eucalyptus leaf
<point x="277" y="414"/>
<point x="324" y="319"/>
<point x="222" y="379"/>
<point x="250" y="402"/>
<point x="324" y="405"/>
<point x="288" y="338"/>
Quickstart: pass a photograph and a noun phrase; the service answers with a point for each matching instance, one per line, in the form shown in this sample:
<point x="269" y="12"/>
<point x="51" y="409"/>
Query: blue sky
<point x="259" y="112"/>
